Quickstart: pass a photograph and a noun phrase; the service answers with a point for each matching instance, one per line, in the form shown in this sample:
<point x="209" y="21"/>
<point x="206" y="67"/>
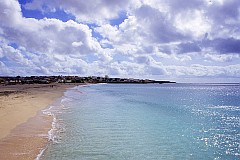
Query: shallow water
<point x="153" y="121"/>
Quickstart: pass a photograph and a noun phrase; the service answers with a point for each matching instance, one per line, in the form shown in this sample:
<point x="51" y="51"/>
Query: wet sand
<point x="23" y="126"/>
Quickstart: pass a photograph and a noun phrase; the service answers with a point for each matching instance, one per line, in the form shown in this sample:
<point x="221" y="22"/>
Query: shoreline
<point x="24" y="127"/>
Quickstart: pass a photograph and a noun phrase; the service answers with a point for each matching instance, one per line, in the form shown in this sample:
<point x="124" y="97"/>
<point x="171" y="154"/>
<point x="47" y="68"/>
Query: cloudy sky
<point x="179" y="40"/>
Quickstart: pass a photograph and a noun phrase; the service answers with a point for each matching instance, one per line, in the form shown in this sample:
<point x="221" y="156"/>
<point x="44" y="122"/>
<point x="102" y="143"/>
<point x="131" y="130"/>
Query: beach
<point x="24" y="128"/>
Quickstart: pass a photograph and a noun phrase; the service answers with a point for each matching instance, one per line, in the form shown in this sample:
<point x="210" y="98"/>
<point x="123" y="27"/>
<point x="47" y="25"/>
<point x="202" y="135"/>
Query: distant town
<point x="73" y="79"/>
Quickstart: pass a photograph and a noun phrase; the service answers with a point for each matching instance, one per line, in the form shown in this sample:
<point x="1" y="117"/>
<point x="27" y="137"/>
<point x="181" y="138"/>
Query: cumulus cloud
<point x="14" y="55"/>
<point x="193" y="23"/>
<point x="46" y="34"/>
<point x="42" y="39"/>
<point x="90" y="11"/>
<point x="161" y="30"/>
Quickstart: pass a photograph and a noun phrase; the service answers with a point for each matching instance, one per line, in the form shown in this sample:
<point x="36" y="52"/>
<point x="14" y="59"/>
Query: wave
<point x="57" y="128"/>
<point x="40" y="154"/>
<point x="233" y="108"/>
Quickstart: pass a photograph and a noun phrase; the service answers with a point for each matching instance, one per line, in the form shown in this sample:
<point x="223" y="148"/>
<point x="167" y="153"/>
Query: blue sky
<point x="178" y="40"/>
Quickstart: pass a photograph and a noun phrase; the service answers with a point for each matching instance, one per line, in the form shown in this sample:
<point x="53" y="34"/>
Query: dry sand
<point x="23" y="127"/>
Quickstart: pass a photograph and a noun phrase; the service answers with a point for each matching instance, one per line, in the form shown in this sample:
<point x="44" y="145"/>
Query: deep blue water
<point x="143" y="122"/>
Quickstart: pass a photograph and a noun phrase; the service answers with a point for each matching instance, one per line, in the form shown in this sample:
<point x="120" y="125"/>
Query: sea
<point x="146" y="122"/>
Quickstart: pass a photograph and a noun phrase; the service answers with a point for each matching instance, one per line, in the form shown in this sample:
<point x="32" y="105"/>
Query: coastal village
<point x="73" y="79"/>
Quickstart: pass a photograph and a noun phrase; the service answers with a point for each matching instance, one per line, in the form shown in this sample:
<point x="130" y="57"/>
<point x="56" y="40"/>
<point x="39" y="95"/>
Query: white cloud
<point x="14" y="55"/>
<point x="47" y="35"/>
<point x="108" y="32"/>
<point x="222" y="57"/>
<point x="77" y="44"/>
<point x="198" y="70"/>
<point x="90" y="11"/>
<point x="193" y="23"/>
<point x="10" y="12"/>
<point x="43" y="44"/>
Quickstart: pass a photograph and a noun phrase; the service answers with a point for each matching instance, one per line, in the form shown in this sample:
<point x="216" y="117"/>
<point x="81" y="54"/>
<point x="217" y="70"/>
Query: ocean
<point x="146" y="122"/>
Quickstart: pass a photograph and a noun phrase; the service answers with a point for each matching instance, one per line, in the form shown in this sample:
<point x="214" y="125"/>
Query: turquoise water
<point x="153" y="121"/>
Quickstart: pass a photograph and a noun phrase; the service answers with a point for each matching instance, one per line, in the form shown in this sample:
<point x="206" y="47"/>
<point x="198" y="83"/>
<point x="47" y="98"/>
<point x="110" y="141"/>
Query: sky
<point x="177" y="40"/>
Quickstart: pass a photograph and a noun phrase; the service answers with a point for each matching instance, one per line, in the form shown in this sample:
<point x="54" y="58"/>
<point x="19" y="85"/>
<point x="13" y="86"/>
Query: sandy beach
<point x="24" y="129"/>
